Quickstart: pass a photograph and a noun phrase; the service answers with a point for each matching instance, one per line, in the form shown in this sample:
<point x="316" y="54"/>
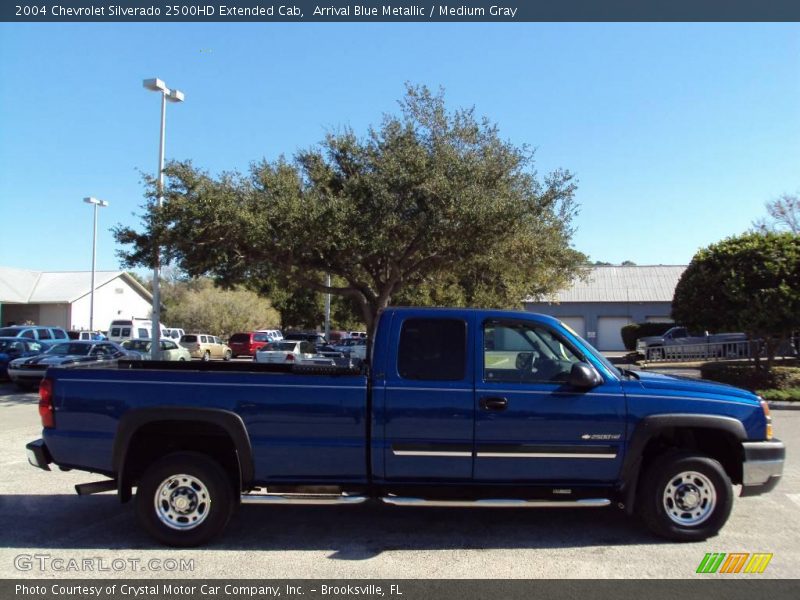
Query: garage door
<point x="608" y="333"/>
<point x="659" y="319"/>
<point x="577" y="324"/>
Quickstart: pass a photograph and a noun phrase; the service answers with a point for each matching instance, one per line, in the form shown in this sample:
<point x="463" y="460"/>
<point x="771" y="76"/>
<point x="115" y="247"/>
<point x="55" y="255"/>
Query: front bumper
<point x="38" y="454"/>
<point x="762" y="467"/>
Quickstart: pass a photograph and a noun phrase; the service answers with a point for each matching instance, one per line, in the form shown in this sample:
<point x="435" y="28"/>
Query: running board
<point x="497" y="503"/>
<point x="301" y="499"/>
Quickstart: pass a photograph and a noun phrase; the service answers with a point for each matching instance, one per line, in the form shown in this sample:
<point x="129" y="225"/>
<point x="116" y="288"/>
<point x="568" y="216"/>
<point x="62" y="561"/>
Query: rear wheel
<point x="184" y="499"/>
<point x="206" y="356"/>
<point x="685" y="496"/>
<point x="228" y="355"/>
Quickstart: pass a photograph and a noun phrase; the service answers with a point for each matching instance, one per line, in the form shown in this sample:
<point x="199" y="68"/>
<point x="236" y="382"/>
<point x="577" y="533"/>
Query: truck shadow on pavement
<point x="350" y="533"/>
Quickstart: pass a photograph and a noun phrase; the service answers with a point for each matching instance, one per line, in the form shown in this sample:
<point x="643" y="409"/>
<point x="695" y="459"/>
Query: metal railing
<point x="713" y="351"/>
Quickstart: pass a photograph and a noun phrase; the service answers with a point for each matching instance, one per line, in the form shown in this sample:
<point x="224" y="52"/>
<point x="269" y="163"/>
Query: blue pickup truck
<point x="457" y="407"/>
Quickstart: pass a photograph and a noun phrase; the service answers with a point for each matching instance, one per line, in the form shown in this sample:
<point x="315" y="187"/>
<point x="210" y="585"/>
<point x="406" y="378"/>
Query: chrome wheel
<point x="689" y="498"/>
<point x="182" y="502"/>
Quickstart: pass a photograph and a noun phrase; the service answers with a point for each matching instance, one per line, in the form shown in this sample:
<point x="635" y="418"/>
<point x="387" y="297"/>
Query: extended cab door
<point x="428" y="398"/>
<point x="531" y="425"/>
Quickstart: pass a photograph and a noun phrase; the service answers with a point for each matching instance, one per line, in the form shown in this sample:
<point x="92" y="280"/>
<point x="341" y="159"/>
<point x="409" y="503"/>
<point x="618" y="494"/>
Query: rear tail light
<point x="46" y="409"/>
<point x="290" y="358"/>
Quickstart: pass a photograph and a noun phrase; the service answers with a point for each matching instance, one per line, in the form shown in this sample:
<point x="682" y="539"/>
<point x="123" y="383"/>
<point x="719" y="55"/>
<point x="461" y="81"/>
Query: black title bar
<point x="63" y="11"/>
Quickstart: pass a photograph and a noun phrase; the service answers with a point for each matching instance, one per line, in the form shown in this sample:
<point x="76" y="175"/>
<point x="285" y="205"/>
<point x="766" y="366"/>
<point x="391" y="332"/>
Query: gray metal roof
<point x="645" y="283"/>
<point x="35" y="287"/>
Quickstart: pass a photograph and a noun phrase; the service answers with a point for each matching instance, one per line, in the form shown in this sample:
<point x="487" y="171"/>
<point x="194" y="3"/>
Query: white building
<point x="61" y="299"/>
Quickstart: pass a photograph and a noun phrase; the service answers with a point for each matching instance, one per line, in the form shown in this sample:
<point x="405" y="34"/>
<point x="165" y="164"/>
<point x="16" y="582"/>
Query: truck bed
<point x="305" y="423"/>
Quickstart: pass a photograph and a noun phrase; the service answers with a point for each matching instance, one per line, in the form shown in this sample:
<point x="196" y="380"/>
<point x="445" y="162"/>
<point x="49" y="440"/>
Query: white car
<point x="285" y="352"/>
<point x="169" y="349"/>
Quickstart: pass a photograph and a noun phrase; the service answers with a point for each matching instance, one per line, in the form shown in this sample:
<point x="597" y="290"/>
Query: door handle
<point x="494" y="403"/>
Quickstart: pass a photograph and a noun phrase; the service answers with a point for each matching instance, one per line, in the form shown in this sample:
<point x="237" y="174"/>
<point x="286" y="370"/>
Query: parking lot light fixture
<point x="157" y="85"/>
<point x="97" y="204"/>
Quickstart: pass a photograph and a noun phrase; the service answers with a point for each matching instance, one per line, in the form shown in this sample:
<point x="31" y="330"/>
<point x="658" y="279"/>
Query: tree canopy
<point x="431" y="206"/>
<point x="749" y="283"/>
<point x="197" y="305"/>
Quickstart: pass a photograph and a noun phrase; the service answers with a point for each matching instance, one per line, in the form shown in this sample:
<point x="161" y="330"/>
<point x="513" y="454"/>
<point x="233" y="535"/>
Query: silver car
<point x="28" y="372"/>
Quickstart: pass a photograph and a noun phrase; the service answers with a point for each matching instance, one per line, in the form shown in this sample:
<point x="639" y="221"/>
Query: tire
<point x="181" y="359"/>
<point x="227" y="356"/>
<point x="685" y="497"/>
<point x="206" y="356"/>
<point x="208" y="492"/>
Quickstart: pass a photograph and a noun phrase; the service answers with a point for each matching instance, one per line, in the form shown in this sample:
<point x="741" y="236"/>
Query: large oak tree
<point x="431" y="206"/>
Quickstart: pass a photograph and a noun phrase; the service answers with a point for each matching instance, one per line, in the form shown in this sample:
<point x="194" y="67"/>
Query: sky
<point x="677" y="133"/>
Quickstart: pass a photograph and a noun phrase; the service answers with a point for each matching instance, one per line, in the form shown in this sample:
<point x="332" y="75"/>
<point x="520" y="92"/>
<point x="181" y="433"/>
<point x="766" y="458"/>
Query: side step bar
<point x="497" y="503"/>
<point x="328" y="499"/>
<point x="302" y="499"/>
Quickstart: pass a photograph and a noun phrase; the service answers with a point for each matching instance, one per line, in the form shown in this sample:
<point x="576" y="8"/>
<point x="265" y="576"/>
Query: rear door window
<point x="59" y="334"/>
<point x="43" y="334"/>
<point x="433" y="350"/>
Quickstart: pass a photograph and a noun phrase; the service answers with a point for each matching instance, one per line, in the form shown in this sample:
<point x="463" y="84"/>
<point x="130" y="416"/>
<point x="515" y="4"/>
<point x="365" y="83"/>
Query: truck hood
<point x="687" y="386"/>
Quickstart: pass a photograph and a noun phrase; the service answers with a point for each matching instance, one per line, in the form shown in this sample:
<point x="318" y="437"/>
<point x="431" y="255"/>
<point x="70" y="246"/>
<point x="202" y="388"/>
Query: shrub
<point x="746" y="376"/>
<point x="634" y="331"/>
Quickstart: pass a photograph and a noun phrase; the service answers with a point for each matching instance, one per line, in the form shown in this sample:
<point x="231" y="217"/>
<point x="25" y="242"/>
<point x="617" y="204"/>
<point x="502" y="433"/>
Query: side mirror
<point x="584" y="375"/>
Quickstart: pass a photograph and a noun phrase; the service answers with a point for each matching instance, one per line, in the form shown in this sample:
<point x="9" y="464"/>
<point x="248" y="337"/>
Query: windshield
<point x="79" y="349"/>
<point x="281" y="346"/>
<point x="595" y="353"/>
<point x="137" y="345"/>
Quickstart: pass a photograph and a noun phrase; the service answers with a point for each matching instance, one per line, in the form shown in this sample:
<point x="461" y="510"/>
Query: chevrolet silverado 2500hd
<point x="456" y="407"/>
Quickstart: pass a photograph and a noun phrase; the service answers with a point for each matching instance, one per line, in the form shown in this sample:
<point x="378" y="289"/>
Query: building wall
<point x="114" y="300"/>
<point x="56" y="315"/>
<point x="21" y="313"/>
<point x="637" y="312"/>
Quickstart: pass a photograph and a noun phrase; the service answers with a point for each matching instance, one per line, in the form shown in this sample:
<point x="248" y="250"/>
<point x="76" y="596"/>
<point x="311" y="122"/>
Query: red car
<point x="246" y="344"/>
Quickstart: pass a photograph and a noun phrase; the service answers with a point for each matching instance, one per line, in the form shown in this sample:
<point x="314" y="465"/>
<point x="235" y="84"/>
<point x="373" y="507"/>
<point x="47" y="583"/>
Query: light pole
<point x="156" y="85"/>
<point x="97" y="204"/>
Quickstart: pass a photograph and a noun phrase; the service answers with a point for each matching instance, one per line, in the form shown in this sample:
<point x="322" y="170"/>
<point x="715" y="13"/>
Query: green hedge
<point x="634" y="331"/>
<point x="779" y="378"/>
<point x="790" y="395"/>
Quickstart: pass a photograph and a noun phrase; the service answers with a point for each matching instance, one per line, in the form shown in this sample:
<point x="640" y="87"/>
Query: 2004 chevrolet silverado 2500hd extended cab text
<point x="457" y="407"/>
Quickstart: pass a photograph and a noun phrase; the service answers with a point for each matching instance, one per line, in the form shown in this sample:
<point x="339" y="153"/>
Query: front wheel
<point x="184" y="499"/>
<point x="228" y="355"/>
<point x="685" y="496"/>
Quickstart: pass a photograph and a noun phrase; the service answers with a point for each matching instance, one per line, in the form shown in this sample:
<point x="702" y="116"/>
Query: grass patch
<point x="788" y="395"/>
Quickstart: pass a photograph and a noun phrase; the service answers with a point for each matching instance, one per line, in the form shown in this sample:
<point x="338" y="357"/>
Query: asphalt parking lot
<point x="44" y="522"/>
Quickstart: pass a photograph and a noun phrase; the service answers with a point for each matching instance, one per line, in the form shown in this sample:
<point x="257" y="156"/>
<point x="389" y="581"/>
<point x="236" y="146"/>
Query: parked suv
<point x="47" y="336"/>
<point x="315" y="338"/>
<point x="206" y="347"/>
<point x="273" y="335"/>
<point x="248" y="343"/>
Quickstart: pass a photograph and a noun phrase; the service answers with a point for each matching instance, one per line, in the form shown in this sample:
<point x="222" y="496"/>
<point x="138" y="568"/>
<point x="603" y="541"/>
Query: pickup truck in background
<point x="678" y="342"/>
<point x="455" y="408"/>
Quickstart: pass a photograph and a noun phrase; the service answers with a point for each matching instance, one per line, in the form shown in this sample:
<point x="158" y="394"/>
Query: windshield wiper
<point x="629" y="373"/>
